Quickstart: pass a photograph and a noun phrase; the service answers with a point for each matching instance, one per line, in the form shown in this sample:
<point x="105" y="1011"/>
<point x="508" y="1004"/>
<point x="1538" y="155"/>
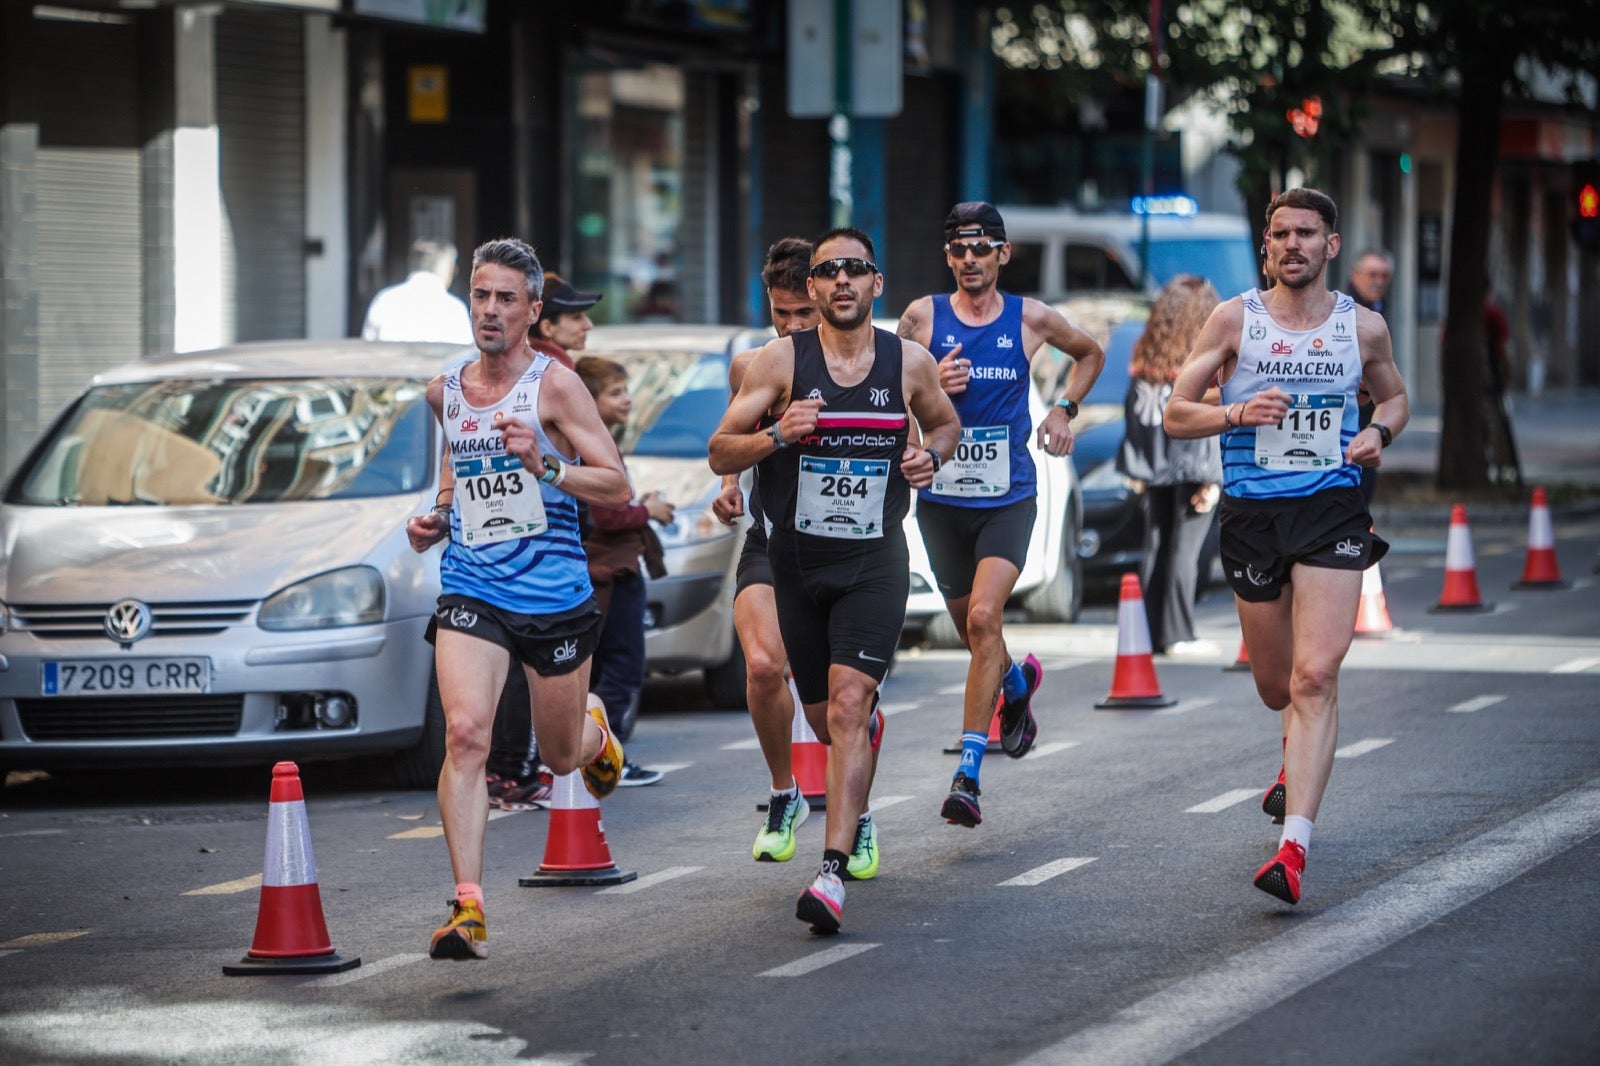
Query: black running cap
<point x="974" y="218"/>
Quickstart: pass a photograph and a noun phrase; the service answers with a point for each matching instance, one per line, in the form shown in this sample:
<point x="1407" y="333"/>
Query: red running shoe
<point x="1281" y="875"/>
<point x="1276" y="799"/>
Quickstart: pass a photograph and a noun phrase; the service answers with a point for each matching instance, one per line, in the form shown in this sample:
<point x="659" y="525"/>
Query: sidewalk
<point x="1558" y="442"/>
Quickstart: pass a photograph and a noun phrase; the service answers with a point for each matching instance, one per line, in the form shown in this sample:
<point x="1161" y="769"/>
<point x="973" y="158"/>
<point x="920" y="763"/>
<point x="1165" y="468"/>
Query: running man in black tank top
<point x="835" y="483"/>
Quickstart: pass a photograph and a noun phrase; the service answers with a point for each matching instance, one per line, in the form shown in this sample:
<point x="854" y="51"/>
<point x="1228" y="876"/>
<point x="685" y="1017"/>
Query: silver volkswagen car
<point x="204" y="561"/>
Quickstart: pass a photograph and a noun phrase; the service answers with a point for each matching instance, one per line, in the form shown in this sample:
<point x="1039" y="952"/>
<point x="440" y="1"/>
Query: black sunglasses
<point x="981" y="249"/>
<point x="856" y="268"/>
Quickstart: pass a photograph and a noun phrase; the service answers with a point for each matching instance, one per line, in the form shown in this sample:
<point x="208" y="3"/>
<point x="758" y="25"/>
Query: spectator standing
<point x="1369" y="287"/>
<point x="422" y="307"/>
<point x="564" y="324"/>
<point x="615" y="541"/>
<point x="1181" y="479"/>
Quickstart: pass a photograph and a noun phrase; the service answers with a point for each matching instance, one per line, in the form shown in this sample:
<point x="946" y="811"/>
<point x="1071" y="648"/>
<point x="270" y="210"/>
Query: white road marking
<point x="669" y="767"/>
<point x="954" y="690"/>
<point x="743" y="745"/>
<point x="1361" y="747"/>
<point x="1477" y="703"/>
<point x="1224" y="801"/>
<point x="897" y="708"/>
<point x="13" y="951"/>
<point x="228" y="888"/>
<point x="1574" y="666"/>
<point x="1185" y="706"/>
<point x="1040" y="874"/>
<point x="880" y="802"/>
<point x="1186" y="1014"/>
<point x="812" y="963"/>
<point x="1050" y="749"/>
<point x="426" y="832"/>
<point x="649" y="880"/>
<point x="32" y="833"/>
<point x="370" y="969"/>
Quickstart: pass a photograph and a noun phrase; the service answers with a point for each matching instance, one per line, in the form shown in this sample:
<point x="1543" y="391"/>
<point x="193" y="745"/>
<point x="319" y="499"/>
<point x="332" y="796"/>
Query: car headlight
<point x="1104" y="478"/>
<point x="695" y="522"/>
<point x="349" y="597"/>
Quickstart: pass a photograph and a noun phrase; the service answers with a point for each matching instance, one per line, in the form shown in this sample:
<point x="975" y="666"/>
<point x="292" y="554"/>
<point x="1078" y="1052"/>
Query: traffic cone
<point x="808" y="756"/>
<point x="575" y="851"/>
<point x="994" y="730"/>
<point x="1372" y="618"/>
<point x="1242" y="663"/>
<point x="291" y="936"/>
<point x="1460" y="592"/>
<point x="1540" y="571"/>
<point x="1133" y="683"/>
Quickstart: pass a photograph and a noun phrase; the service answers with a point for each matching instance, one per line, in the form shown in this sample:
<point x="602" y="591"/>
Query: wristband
<point x="1385" y="434"/>
<point x="777" y="436"/>
<point x="1228" y="421"/>
<point x="938" y="460"/>
<point x="1069" y="406"/>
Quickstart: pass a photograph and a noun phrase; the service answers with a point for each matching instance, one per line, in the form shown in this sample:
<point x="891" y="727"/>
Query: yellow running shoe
<point x="775" y="842"/>
<point x="863" y="864"/>
<point x="464" y="936"/>
<point x="602" y="775"/>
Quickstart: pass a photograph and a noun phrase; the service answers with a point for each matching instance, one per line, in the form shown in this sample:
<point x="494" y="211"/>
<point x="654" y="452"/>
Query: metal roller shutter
<point x="921" y="171"/>
<point x="260" y="84"/>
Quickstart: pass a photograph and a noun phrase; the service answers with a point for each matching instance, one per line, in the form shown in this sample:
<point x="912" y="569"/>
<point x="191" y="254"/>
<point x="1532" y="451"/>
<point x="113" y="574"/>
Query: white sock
<point x="1297" y="829"/>
<point x="792" y="790"/>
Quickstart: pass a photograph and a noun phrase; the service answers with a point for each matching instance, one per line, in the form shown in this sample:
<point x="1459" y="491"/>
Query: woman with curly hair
<point x="1180" y="481"/>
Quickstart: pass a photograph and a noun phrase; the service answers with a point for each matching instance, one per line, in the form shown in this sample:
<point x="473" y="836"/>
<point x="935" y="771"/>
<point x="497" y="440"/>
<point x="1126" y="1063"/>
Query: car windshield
<point x="1112" y="384"/>
<point x="233" y="441"/>
<point x="1228" y="263"/>
<point x="679" y="398"/>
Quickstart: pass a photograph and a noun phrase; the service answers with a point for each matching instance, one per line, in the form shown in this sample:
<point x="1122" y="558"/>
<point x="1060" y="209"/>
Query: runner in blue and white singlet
<point x="513" y="542"/>
<point x="1321" y="370"/>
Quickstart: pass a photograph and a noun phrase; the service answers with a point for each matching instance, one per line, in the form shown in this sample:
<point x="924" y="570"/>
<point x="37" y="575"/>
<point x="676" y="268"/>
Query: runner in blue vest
<point x="1296" y="534"/>
<point x="977" y="516"/>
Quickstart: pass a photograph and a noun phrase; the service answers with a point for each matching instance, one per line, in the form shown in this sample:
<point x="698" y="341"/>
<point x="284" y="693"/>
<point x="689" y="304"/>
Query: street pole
<point x="1147" y="144"/>
<point x="839" y="168"/>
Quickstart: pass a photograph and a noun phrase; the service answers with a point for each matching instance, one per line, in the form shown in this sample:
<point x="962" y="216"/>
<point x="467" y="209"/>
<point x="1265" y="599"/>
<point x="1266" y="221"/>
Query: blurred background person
<point x="563" y="324"/>
<point x="616" y="540"/>
<point x="1181" y="480"/>
<point x="1369" y="286"/>
<point x="422" y="307"/>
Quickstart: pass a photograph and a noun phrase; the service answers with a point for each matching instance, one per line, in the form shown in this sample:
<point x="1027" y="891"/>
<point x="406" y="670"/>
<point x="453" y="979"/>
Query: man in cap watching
<point x="977" y="516"/>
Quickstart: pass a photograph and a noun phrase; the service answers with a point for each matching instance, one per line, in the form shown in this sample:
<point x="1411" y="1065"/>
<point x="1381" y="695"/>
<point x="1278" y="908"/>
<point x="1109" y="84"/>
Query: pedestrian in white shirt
<point x="422" y="307"/>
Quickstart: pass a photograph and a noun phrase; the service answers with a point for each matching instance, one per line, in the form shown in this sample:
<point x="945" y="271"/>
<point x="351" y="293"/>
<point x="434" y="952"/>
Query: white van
<point x="1058" y="252"/>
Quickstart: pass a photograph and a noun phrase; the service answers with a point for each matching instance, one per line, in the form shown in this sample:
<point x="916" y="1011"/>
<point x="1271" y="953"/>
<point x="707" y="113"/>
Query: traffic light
<point x="1586" y="206"/>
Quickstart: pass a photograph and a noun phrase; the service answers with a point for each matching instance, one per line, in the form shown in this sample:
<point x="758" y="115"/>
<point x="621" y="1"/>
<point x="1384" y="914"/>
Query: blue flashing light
<point x="1176" y="205"/>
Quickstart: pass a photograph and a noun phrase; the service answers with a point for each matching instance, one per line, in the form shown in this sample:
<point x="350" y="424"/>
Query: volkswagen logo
<point x="127" y="621"/>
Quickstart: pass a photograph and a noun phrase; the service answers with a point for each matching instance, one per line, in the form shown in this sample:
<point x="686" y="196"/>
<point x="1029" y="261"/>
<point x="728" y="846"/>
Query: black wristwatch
<point x="1070" y="407"/>
<point x="1384" y="433"/>
<point x="938" y="460"/>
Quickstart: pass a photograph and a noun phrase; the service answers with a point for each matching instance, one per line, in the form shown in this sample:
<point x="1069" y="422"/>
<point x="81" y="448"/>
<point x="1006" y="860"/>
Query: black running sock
<point x="833" y="861"/>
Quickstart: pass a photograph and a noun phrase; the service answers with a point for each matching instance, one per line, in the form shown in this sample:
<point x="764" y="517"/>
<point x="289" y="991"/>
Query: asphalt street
<point x="1103" y="913"/>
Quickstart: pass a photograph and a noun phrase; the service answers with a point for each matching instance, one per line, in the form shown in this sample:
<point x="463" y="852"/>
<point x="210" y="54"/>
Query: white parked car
<point x="204" y="561"/>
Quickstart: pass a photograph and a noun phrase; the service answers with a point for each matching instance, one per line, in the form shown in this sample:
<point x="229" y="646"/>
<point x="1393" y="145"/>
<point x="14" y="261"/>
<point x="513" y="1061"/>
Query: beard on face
<point x="858" y="312"/>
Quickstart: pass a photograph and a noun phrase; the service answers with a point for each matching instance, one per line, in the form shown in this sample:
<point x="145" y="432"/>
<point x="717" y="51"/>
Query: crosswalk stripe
<point x="228" y="888"/>
<point x="649" y="880"/>
<point x="1040" y="874"/>
<point x="812" y="963"/>
<point x="1185" y="706"/>
<point x="1050" y="749"/>
<point x="370" y="969"/>
<point x="424" y="832"/>
<point x="1361" y="747"/>
<point x="1477" y="703"/>
<point x="1224" y="801"/>
<point x="33" y="940"/>
<point x="1574" y="666"/>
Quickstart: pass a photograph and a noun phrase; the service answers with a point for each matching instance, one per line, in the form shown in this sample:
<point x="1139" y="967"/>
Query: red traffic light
<point x="1588" y="201"/>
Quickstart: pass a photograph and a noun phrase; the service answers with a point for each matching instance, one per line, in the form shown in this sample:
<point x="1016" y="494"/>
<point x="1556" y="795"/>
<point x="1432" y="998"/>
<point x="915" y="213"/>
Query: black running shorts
<point x="1263" y="539"/>
<point x="553" y="644"/>
<point x="841" y="607"/>
<point x="957" y="537"/>
<point x="753" y="569"/>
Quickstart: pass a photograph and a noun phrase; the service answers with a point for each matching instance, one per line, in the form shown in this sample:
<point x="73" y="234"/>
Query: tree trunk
<point x="1463" y="357"/>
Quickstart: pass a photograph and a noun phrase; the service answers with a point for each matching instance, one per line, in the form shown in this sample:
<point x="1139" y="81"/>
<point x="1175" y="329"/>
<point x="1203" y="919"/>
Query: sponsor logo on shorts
<point x="870" y="658"/>
<point x="1256" y="577"/>
<point x="463" y="617"/>
<point x="565" y="652"/>
<point x="1349" y="548"/>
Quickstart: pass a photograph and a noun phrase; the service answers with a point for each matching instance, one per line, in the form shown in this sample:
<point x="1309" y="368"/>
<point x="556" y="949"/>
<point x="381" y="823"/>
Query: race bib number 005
<point x="981" y="465"/>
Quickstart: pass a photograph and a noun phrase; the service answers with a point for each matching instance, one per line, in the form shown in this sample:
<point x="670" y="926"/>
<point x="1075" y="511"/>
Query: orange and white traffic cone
<point x="1372" y="617"/>
<point x="1460" y="593"/>
<point x="575" y="851"/>
<point x="1242" y="663"/>
<point x="1133" y="683"/>
<point x="291" y="936"/>
<point x="1540" y="570"/>
<point x="808" y="756"/>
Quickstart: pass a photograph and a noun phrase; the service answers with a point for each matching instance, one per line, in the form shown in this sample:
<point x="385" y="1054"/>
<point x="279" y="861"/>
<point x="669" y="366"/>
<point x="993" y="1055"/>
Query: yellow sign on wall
<point x="427" y="93"/>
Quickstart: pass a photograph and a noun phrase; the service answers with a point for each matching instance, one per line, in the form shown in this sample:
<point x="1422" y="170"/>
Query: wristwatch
<point x="1384" y="433"/>
<point x="552" y="469"/>
<point x="938" y="460"/>
<point x="1069" y="406"/>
